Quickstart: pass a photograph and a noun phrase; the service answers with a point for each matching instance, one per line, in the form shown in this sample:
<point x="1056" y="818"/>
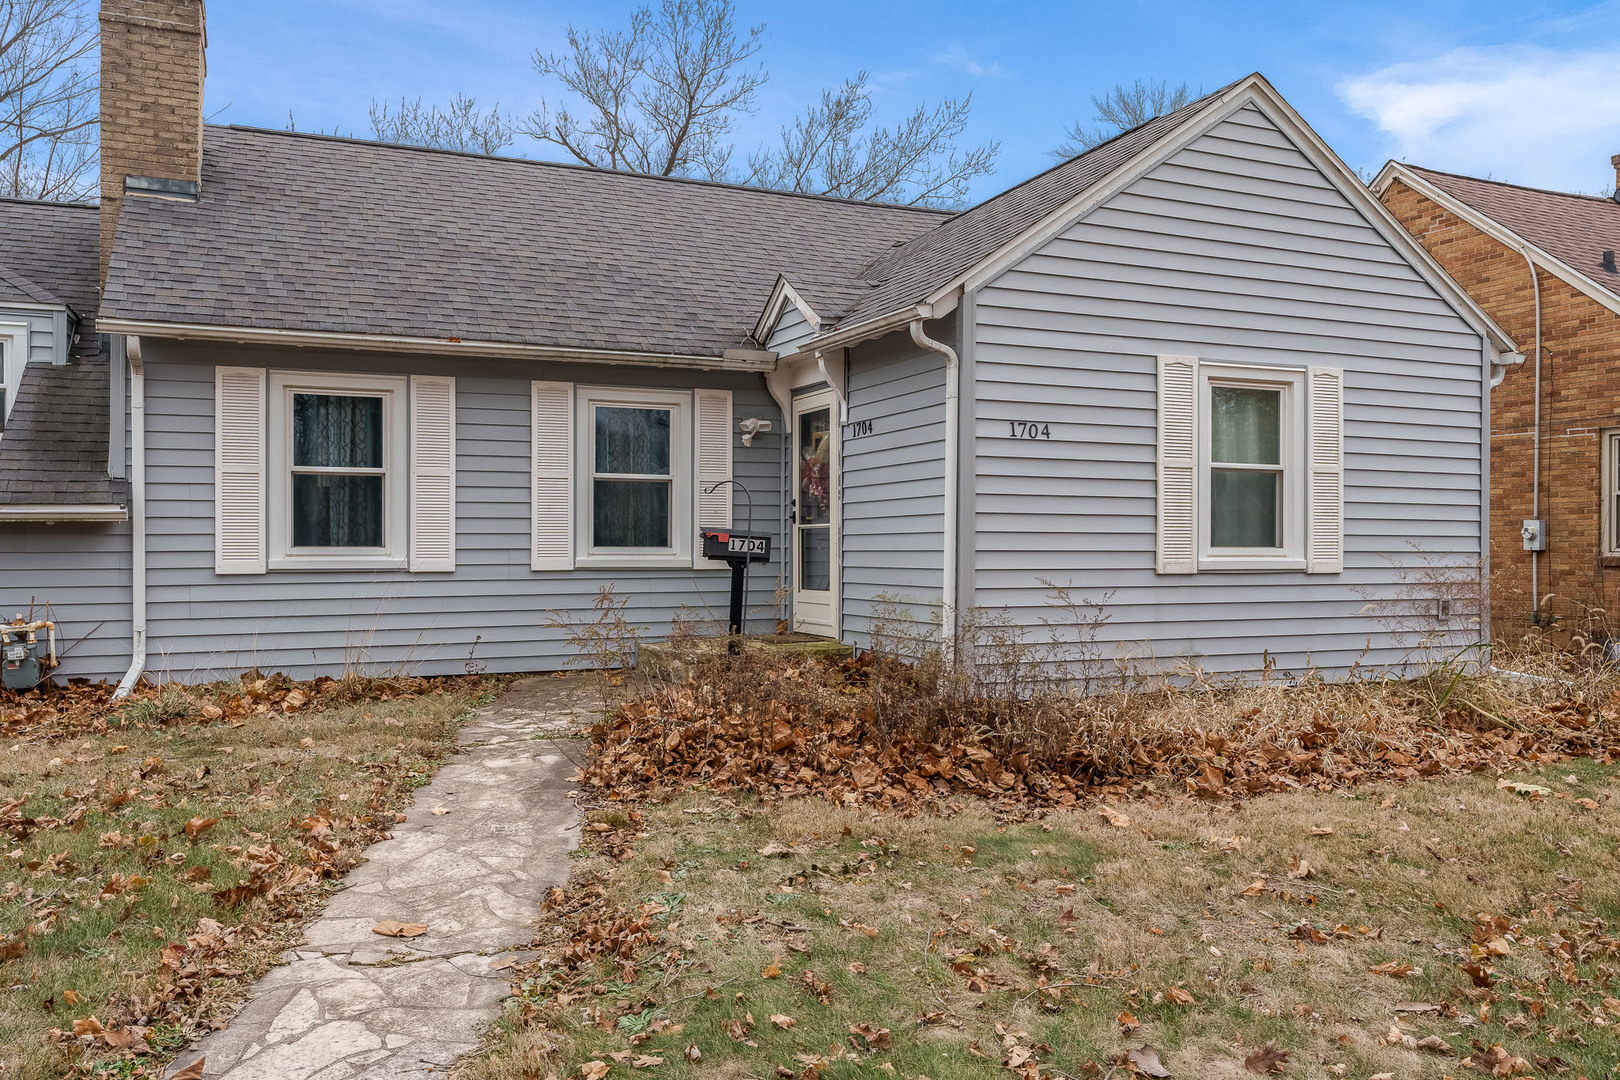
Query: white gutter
<point x="953" y="380"/>
<point x="137" y="513"/>
<point x="732" y="360"/>
<point x="46" y="514"/>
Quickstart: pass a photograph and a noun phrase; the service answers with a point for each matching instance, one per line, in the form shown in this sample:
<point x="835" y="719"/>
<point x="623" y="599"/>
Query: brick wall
<point x="151" y="98"/>
<point x="1580" y="397"/>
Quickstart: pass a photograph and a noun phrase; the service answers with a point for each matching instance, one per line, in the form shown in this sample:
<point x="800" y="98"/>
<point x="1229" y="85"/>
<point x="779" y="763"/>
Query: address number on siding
<point x="1030" y="429"/>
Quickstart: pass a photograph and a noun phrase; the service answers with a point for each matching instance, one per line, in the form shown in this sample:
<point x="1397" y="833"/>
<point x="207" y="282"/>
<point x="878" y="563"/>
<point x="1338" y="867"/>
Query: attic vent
<point x="1608" y="261"/>
<point x="188" y="190"/>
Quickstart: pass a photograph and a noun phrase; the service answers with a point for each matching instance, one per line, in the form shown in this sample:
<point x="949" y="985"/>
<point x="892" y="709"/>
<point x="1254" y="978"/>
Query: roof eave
<point x="49" y="514"/>
<point x="731" y="360"/>
<point x="1395" y="170"/>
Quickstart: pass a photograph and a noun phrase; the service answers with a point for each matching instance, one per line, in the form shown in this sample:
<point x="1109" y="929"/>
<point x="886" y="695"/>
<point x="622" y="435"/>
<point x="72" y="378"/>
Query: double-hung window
<point x="1251" y="467"/>
<point x="1250" y="448"/>
<point x="337" y="471"/>
<point x="637" y="497"/>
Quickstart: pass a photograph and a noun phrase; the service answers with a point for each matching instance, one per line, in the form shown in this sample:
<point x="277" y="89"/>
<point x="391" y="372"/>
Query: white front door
<point x="815" y="514"/>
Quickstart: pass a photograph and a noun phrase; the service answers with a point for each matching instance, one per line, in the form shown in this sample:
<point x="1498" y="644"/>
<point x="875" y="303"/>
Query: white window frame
<point x="1609" y="474"/>
<point x="394" y="554"/>
<point x="1291" y="516"/>
<point x="13" y="358"/>
<point x="679" y="553"/>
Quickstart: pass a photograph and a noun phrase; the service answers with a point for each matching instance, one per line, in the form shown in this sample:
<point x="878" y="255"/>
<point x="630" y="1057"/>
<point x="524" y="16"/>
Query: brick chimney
<point x="1615" y="161"/>
<point x="152" y="71"/>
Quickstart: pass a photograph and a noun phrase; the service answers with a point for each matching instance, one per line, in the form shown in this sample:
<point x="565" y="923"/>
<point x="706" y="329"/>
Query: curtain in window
<point x="331" y="509"/>
<point x="1245" y="429"/>
<point x="337" y="432"/>
<point x="631" y="443"/>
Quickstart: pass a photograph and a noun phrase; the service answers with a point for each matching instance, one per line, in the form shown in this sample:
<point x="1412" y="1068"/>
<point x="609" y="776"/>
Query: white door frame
<point x="818" y="612"/>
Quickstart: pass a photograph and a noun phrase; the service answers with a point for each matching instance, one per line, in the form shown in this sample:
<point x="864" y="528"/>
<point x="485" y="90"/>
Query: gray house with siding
<point x="370" y="405"/>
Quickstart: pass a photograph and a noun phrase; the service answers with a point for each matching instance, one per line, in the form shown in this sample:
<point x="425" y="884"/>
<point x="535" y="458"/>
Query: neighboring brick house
<point x="1565" y="470"/>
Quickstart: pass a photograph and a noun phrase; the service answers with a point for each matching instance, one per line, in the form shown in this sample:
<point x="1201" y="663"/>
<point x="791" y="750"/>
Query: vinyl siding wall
<point x="791" y="331"/>
<point x="894" y="482"/>
<point x="1238" y="249"/>
<point x="47" y="332"/>
<point x="202" y="625"/>
<point x="77" y="575"/>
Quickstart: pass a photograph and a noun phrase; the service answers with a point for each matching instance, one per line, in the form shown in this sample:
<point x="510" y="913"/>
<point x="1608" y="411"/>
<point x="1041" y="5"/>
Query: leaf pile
<point x="80" y="707"/>
<point x="1335" y="738"/>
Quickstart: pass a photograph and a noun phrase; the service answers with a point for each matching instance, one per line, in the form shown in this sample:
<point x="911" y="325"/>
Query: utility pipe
<point x="137" y="516"/>
<point x="953" y="379"/>
<point x="1535" y="467"/>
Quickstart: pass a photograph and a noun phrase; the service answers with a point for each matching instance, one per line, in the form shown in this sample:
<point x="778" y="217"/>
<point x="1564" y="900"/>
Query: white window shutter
<point x="551" y="507"/>
<point x="713" y="464"/>
<point x="1177" y="546"/>
<point x="433" y="474"/>
<point x="239" y="542"/>
<point x="1324" y="538"/>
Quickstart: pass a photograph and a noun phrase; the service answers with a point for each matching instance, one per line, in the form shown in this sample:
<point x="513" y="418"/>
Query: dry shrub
<point x="902" y="729"/>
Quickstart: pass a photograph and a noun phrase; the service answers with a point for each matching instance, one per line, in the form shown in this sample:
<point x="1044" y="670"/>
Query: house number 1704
<point x="1030" y="429"/>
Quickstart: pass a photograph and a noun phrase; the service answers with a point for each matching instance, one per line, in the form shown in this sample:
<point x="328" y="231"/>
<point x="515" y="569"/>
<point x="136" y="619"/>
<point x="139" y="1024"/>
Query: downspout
<point x="137" y="517"/>
<point x="953" y="379"/>
<point x="1535" y="467"/>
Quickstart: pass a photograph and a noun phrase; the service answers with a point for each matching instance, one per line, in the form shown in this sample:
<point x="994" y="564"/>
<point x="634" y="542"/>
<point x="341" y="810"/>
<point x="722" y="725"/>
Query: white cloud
<point x="1516" y="113"/>
<point x="956" y="55"/>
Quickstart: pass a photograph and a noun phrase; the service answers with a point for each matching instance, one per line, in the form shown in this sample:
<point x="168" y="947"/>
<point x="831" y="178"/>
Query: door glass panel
<point x="815" y="468"/>
<point x="815" y="559"/>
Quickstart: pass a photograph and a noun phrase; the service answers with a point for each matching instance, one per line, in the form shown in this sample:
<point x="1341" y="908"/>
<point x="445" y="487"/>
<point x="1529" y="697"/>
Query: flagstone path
<point x="353" y="1005"/>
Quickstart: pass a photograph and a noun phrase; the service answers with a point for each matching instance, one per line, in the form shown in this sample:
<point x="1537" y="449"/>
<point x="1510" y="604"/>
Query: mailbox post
<point x="737" y="550"/>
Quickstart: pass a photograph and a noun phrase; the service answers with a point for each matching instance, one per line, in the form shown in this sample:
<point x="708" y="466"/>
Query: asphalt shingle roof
<point x="333" y="235"/>
<point x="54" y="451"/>
<point x="1575" y="229"/>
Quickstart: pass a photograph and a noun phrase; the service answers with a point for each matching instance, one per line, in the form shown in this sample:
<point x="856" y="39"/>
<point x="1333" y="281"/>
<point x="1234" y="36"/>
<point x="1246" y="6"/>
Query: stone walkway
<point x="353" y="1005"/>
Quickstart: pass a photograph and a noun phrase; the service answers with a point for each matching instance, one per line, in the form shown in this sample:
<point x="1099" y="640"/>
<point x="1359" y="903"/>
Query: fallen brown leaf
<point x="1145" y="1060"/>
<point x="395" y="928"/>
<point x="1266" y="1059"/>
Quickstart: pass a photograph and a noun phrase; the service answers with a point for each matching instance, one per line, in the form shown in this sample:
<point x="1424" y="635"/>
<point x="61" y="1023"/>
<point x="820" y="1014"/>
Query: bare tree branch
<point x="48" y="99"/>
<point x="461" y="125"/>
<point x="662" y="96"/>
<point x="1119" y="110"/>
<point x="831" y="150"/>
<point x="659" y="97"/>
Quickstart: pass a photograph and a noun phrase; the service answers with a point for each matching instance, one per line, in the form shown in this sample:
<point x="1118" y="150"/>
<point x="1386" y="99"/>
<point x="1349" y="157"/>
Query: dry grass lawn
<point x="802" y="939"/>
<point x="126" y="837"/>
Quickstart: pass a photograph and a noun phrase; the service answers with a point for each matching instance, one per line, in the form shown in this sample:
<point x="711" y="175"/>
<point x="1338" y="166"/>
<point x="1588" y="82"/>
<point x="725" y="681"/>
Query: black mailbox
<point x="736" y="550"/>
<point x="733" y="547"/>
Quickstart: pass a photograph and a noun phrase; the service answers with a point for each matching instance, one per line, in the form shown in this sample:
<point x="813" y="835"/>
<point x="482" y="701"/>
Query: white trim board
<point x="783" y="293"/>
<point x="743" y="360"/>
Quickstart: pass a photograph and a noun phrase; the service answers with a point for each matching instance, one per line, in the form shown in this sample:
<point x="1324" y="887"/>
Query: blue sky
<point x="1527" y="92"/>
